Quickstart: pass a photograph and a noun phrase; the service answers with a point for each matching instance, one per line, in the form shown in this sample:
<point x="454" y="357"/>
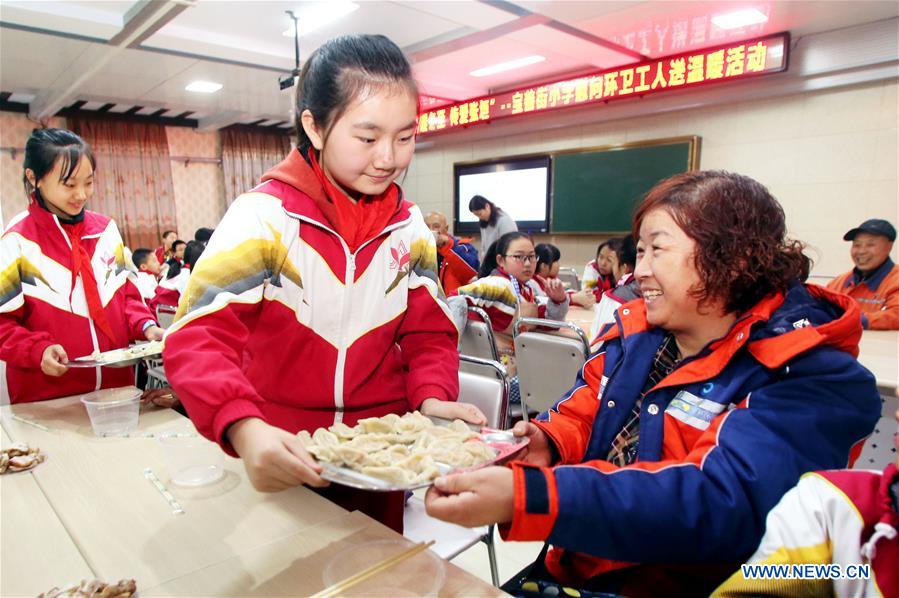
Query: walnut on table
<point x="19" y="457"/>
<point x="94" y="588"/>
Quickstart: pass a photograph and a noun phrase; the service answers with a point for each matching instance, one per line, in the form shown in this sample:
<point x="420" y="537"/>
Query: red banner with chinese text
<point x="734" y="61"/>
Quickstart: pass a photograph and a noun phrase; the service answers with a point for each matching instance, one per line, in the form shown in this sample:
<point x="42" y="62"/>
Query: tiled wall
<point x="15" y="129"/>
<point x="199" y="186"/>
<point x="829" y="157"/>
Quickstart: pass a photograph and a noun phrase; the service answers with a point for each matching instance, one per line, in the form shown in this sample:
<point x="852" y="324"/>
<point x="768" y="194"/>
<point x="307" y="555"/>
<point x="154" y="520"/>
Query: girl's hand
<point x="584" y="299"/>
<point x="474" y="498"/>
<point x="274" y="458"/>
<point x="555" y="290"/>
<point x="154" y="333"/>
<point x="161" y="397"/>
<point x="526" y="309"/>
<point x="54" y="360"/>
<point x="452" y="410"/>
<point x="538" y="452"/>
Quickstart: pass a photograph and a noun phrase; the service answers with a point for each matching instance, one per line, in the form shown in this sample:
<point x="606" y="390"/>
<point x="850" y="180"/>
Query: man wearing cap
<point x="874" y="282"/>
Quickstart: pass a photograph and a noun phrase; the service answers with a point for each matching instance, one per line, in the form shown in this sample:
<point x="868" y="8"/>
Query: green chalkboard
<point x="595" y="191"/>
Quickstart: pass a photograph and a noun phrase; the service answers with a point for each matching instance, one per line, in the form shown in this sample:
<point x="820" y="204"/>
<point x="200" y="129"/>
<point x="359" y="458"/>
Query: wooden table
<point x="879" y="352"/>
<point x="32" y="538"/>
<point x="582" y="316"/>
<point x="95" y="491"/>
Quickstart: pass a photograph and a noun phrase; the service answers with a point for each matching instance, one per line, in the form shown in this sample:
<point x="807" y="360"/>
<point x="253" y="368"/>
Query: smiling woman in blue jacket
<point x="708" y="399"/>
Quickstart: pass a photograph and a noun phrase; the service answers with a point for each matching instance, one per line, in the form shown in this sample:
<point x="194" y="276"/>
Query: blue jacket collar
<point x="873" y="280"/>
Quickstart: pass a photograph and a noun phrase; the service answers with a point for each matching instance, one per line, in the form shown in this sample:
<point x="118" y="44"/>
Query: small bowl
<point x="419" y="575"/>
<point x="113" y="411"/>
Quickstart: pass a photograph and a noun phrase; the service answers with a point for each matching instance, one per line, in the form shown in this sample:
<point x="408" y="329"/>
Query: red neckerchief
<point x="357" y="222"/>
<point x="81" y="265"/>
<point x="527" y="293"/>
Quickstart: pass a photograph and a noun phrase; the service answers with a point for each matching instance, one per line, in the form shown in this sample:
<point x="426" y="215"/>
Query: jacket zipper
<point x="90" y="322"/>
<point x="349" y="282"/>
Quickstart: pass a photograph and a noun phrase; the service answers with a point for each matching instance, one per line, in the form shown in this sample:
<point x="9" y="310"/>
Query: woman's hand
<point x="161" y="397"/>
<point x="538" y="452"/>
<point x="452" y="410"/>
<point x="154" y="333"/>
<point x="54" y="360"/>
<point x="274" y="458"/>
<point x="474" y="498"/>
<point x="555" y="290"/>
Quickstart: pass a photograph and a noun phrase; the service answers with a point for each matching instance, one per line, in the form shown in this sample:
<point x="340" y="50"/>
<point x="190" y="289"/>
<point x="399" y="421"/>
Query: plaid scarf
<point x="624" y="447"/>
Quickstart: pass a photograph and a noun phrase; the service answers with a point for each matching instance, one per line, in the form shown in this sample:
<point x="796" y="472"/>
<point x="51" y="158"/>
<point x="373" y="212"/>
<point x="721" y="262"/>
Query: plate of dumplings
<point x="405" y="452"/>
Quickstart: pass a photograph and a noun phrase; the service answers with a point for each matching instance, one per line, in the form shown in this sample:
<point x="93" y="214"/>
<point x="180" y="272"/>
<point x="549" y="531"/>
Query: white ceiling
<point x="58" y="51"/>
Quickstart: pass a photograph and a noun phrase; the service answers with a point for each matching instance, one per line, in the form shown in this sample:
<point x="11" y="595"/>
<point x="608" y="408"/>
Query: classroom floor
<point x="511" y="557"/>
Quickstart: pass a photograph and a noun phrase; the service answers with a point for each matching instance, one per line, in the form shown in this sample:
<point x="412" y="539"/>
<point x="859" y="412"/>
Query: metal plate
<point x="118" y="358"/>
<point x="505" y="445"/>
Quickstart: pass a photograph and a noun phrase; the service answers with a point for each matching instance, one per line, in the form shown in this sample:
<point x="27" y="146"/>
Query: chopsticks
<point x="358" y="578"/>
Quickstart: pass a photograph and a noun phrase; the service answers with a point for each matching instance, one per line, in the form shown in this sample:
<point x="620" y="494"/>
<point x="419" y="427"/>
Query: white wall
<point x="830" y="157"/>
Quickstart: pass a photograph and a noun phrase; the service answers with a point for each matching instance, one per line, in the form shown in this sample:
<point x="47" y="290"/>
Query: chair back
<point x="547" y="362"/>
<point x="569" y="278"/>
<point x="879" y="449"/>
<point x="165" y="315"/>
<point x="486" y="386"/>
<point x="477" y="340"/>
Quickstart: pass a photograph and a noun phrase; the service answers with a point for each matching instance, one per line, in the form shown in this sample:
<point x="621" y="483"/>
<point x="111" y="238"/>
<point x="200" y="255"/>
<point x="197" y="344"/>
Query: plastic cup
<point x="192" y="460"/>
<point x="420" y="575"/>
<point x="113" y="411"/>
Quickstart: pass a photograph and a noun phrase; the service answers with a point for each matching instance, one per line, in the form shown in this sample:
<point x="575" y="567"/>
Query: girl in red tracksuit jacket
<point x="316" y="300"/>
<point x="64" y="289"/>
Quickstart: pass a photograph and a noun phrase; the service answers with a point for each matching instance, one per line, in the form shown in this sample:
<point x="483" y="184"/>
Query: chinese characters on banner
<point x="735" y="61"/>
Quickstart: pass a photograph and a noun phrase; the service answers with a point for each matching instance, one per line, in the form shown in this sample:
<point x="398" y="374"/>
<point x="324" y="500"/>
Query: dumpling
<point x="341" y="430"/>
<point x="413" y="422"/>
<point x="323" y="437"/>
<point x="349" y="455"/>
<point x="305" y="438"/>
<point x="382" y="425"/>
<point x="394" y="475"/>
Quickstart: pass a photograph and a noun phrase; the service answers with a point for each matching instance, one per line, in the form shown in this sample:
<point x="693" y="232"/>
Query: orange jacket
<point x="877" y="296"/>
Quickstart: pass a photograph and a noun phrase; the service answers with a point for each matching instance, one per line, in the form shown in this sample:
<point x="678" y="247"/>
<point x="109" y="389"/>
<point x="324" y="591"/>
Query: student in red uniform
<point x="164" y="251"/>
<point x="148" y="272"/>
<point x="506" y="288"/>
<point x="874" y="282"/>
<point x="64" y="288"/>
<point x="712" y="394"/>
<point x="598" y="274"/>
<point x="316" y="301"/>
<point x="548" y="264"/>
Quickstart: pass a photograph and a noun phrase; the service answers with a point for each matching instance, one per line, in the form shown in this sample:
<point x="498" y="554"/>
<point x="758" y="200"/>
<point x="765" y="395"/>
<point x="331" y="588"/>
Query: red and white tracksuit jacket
<point x="592" y="280"/>
<point x="39" y="307"/>
<point x="498" y="295"/>
<point x="842" y="517"/>
<point x="280" y="321"/>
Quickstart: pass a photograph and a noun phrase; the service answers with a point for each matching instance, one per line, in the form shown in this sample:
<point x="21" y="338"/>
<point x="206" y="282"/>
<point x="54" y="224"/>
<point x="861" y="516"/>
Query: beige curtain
<point x="133" y="184"/>
<point x="247" y="153"/>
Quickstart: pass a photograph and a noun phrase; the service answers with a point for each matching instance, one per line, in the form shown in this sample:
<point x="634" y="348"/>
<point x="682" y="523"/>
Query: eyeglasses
<point x="524" y="259"/>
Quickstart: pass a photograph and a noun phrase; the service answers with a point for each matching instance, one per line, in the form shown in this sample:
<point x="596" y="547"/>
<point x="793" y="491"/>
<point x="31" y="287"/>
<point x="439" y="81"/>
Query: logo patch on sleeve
<point x="694" y="411"/>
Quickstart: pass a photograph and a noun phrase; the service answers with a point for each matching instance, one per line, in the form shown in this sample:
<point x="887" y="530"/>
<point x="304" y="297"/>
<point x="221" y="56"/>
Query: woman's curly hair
<point x="742" y="251"/>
